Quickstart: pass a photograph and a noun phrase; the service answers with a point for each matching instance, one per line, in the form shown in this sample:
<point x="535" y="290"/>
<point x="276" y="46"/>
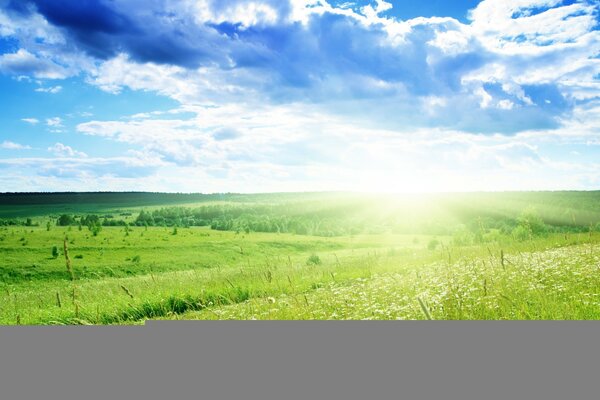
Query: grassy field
<point x="340" y="261"/>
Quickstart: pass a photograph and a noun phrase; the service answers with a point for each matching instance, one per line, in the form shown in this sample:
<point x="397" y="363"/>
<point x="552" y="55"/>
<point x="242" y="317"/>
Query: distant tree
<point x="48" y="225"/>
<point x="65" y="220"/>
<point x="95" y="228"/>
<point x="531" y="222"/>
<point x="521" y="233"/>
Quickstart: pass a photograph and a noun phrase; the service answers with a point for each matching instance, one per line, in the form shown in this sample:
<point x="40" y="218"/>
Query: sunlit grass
<point x="444" y="256"/>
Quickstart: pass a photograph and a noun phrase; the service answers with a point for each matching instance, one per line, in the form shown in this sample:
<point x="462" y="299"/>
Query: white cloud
<point x="8" y="145"/>
<point x="62" y="150"/>
<point x="511" y="26"/>
<point x="52" y="89"/>
<point x="54" y="122"/>
<point x="25" y="63"/>
<point x="486" y="99"/>
<point x="452" y="42"/>
<point x="353" y="100"/>
<point x="506" y="105"/>
<point x="170" y="81"/>
<point x="248" y="13"/>
<point x="32" y="121"/>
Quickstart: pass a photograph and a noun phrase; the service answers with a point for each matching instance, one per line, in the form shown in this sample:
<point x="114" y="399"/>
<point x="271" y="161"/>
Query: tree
<point x="530" y="221"/>
<point x="95" y="228"/>
<point x="65" y="220"/>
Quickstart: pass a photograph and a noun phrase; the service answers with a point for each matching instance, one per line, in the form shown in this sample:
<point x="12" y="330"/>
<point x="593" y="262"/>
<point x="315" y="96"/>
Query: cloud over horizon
<point x="283" y="86"/>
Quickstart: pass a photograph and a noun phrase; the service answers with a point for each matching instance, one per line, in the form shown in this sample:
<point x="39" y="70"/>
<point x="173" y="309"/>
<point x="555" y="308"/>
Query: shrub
<point x="433" y="244"/>
<point x="462" y="236"/>
<point x="521" y="233"/>
<point x="530" y="221"/>
<point x="54" y="251"/>
<point x="313" y="260"/>
<point x="95" y="228"/>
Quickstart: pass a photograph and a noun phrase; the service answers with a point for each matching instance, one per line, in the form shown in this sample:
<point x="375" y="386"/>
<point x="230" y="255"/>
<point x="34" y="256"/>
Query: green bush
<point x="433" y="244"/>
<point x="313" y="260"/>
<point x="521" y="233"/>
<point x="462" y="237"/>
<point x="531" y="221"/>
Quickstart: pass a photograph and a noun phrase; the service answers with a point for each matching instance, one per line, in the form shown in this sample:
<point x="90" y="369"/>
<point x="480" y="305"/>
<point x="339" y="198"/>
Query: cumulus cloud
<point x="307" y="89"/>
<point x="313" y="52"/>
<point x="32" y="121"/>
<point x="62" y="150"/>
<point x="54" y="122"/>
<point x="25" y="63"/>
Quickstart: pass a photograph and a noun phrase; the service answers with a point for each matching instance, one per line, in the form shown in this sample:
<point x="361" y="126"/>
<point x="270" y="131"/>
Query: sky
<point x="299" y="95"/>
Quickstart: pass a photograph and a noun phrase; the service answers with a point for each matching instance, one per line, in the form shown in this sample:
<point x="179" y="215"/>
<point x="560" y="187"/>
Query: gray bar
<point x="303" y="360"/>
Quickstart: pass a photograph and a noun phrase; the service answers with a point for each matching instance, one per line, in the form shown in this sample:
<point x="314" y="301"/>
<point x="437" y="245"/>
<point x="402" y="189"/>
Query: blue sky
<point x="271" y="95"/>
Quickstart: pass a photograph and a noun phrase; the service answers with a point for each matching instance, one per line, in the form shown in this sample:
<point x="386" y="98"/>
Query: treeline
<point x="247" y="219"/>
<point x="467" y="218"/>
<point x="17" y="222"/>
<point x="315" y="219"/>
<point x="111" y="198"/>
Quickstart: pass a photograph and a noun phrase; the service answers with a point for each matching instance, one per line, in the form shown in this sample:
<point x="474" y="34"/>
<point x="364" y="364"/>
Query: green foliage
<point x="375" y="258"/>
<point x="521" y="233"/>
<point x="433" y="244"/>
<point x="531" y="221"/>
<point x="55" y="251"/>
<point x="313" y="259"/>
<point x="65" y="220"/>
<point x="463" y="237"/>
<point x="95" y="228"/>
<point x="529" y="225"/>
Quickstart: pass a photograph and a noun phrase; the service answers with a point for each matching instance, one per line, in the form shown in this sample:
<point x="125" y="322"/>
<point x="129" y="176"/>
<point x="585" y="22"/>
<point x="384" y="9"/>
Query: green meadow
<point x="124" y="258"/>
